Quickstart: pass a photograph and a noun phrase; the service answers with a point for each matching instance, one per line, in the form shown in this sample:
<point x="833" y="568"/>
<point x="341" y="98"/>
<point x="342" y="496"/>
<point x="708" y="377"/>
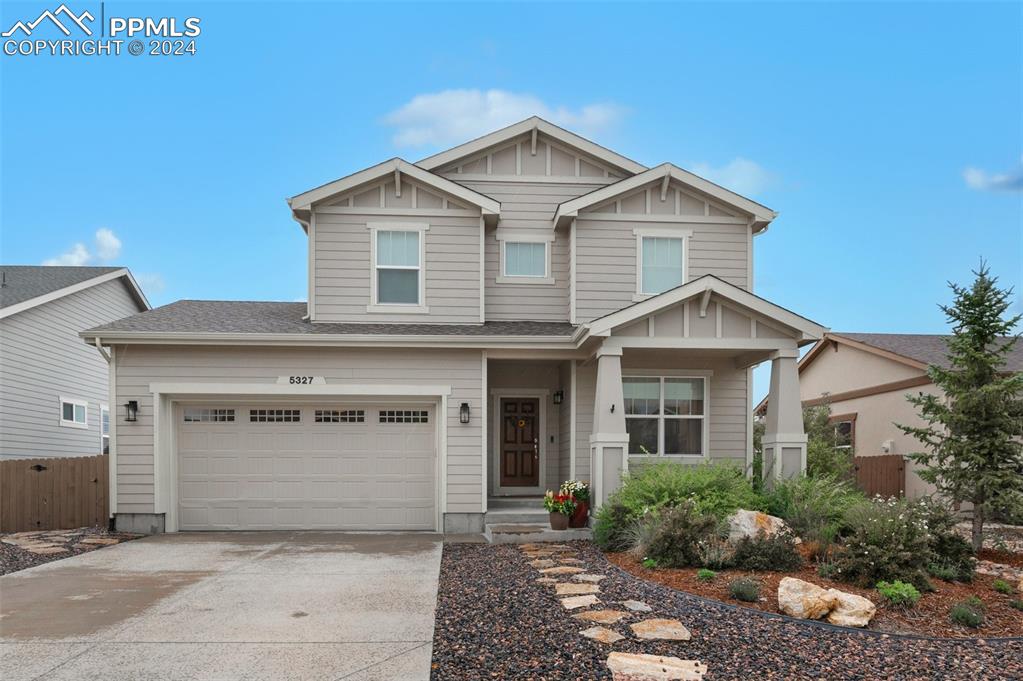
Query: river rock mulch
<point x="494" y="620"/>
<point x="22" y="550"/>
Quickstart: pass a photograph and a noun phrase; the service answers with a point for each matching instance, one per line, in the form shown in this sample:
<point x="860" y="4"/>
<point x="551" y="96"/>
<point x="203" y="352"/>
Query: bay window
<point x="666" y="415"/>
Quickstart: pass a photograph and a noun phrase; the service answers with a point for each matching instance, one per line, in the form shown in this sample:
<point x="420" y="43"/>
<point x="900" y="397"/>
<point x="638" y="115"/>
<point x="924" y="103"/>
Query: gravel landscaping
<point x="495" y="620"/>
<point x="22" y="550"/>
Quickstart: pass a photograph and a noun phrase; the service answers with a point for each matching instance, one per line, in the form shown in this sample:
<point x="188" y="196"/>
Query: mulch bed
<point x="494" y="621"/>
<point x="13" y="557"/>
<point x="928" y="618"/>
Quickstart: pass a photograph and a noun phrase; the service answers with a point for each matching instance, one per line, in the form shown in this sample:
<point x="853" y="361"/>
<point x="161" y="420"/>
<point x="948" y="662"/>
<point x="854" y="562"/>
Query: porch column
<point x="608" y="442"/>
<point x="784" y="439"/>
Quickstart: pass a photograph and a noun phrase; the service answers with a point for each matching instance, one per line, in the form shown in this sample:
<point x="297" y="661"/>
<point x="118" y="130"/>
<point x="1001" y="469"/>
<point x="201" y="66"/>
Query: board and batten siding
<point x="44" y="359"/>
<point x="138" y="366"/>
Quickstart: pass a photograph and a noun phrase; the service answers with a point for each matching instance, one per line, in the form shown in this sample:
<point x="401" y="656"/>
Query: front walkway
<point x="266" y="605"/>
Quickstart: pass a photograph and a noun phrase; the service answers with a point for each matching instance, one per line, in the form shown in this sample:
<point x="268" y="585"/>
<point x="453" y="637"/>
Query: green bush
<point x="828" y="570"/>
<point x="677" y="533"/>
<point x="1016" y="603"/>
<point x="949" y="550"/>
<point x="744" y="589"/>
<point x="899" y="593"/>
<point x="714" y="489"/>
<point x="715" y="551"/>
<point x="705" y="575"/>
<point x="649" y="563"/>
<point x="969" y="613"/>
<point x="943" y="571"/>
<point x="774" y="553"/>
<point x="611" y="527"/>
<point x="886" y="542"/>
<point x="813" y="507"/>
<point x="1002" y="586"/>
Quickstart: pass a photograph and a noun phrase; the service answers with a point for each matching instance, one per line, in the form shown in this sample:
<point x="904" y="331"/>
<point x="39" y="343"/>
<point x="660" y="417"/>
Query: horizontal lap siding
<point x="43" y="359"/>
<point x="343" y="269"/>
<point x="138" y="366"/>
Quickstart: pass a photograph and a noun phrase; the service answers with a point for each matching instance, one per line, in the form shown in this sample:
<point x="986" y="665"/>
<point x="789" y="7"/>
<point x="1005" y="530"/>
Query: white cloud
<point x="455" y="116"/>
<point x="741" y="175"/>
<point x="1011" y="181"/>
<point x="108" y="247"/>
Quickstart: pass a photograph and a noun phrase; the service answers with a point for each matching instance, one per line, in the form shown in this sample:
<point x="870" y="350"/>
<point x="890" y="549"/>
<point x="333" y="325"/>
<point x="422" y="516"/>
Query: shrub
<point x="677" y="533"/>
<point x="969" y="613"/>
<point x="943" y="571"/>
<point x="948" y="548"/>
<point x="898" y="593"/>
<point x="649" y="563"/>
<point x="1016" y="603"/>
<point x="886" y="542"/>
<point x="744" y="589"/>
<point x="715" y="551"/>
<point x="611" y="527"/>
<point x="705" y="575"/>
<point x="813" y="507"/>
<point x="713" y="489"/>
<point x="828" y="570"/>
<point x="1002" y="586"/>
<point x="776" y="552"/>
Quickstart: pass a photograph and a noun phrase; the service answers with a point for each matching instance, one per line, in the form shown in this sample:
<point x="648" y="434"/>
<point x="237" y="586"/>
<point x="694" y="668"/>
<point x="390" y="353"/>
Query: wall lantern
<point x="131" y="410"/>
<point x="463" y="413"/>
<point x="559" y="397"/>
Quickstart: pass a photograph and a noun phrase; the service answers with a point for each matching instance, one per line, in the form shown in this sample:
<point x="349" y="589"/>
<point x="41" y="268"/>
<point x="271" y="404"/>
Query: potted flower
<point x="561" y="507"/>
<point x="580" y="491"/>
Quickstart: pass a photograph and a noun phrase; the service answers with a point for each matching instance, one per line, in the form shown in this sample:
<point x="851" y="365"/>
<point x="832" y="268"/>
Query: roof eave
<point x="133" y="288"/>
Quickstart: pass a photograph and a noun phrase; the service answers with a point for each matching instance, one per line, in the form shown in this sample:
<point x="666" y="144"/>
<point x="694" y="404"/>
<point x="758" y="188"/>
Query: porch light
<point x="559" y="396"/>
<point x="131" y="410"/>
<point x="463" y="413"/>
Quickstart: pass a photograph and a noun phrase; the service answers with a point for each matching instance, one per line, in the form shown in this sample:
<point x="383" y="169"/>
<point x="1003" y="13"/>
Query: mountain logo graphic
<point x="78" y="20"/>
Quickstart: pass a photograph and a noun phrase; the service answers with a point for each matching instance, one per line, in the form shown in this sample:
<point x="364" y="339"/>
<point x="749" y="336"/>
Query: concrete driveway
<point x="239" y="605"/>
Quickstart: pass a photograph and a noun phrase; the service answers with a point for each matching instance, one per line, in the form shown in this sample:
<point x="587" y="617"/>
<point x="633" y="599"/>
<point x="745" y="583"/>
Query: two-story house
<point x="521" y="309"/>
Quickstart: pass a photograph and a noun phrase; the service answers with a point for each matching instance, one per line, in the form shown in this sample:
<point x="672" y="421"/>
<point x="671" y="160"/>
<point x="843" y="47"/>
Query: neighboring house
<point x="865" y="378"/>
<point x="54" y="391"/>
<point x="521" y="309"/>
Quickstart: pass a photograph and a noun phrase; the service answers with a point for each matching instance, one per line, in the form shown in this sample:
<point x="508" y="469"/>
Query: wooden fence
<point x="884" y="475"/>
<point x="52" y="494"/>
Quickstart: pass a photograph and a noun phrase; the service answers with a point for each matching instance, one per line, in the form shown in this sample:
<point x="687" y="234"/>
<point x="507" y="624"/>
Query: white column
<point x="609" y="441"/>
<point x="784" y="439"/>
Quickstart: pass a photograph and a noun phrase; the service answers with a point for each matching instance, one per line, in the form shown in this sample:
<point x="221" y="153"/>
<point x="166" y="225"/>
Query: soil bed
<point x="495" y="621"/>
<point x="14" y="557"/>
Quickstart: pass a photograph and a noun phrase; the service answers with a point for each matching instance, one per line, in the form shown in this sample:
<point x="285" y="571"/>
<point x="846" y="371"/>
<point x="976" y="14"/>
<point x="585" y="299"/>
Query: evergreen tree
<point x="974" y="428"/>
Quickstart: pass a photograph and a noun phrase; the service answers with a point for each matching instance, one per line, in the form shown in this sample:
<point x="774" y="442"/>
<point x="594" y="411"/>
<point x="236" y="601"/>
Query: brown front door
<point x="520" y="442"/>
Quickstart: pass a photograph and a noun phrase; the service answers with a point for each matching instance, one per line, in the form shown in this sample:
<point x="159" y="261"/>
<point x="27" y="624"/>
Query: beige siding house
<point x="485" y="323"/>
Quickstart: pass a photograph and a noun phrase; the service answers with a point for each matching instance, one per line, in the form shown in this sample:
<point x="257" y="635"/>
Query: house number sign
<point x="301" y="380"/>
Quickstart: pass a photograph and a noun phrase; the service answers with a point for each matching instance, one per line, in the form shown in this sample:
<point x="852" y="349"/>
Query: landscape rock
<point x="661" y="630"/>
<point x="543" y="563"/>
<point x="803" y="599"/>
<point x="579" y="602"/>
<point x="602" y="616"/>
<point x="103" y="541"/>
<point x="562" y="570"/>
<point x="743" y="524"/>
<point x="637" y="667"/>
<point x="850" y="610"/>
<point x="587" y="578"/>
<point x="546" y="580"/>
<point x="602" y="634"/>
<point x="637" y="606"/>
<point x="45" y="550"/>
<point x="570" y="561"/>
<point x="570" y="589"/>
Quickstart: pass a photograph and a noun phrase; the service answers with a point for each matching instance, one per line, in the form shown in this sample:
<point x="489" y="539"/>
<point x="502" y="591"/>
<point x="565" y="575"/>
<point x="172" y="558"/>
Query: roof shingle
<point x="25" y="282"/>
<point x="923" y="347"/>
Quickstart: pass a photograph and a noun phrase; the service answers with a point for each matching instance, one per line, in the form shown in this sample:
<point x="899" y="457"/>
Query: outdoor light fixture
<point x="463" y="413"/>
<point x="559" y="397"/>
<point x="131" y="410"/>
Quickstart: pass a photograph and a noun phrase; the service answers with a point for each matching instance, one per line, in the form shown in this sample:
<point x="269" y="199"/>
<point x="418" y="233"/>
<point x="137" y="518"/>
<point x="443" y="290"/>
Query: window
<point x="661" y="264"/>
<point x="398" y="267"/>
<point x="665" y="415"/>
<point x="275" y="415"/>
<point x="845" y="431"/>
<point x="525" y="259"/>
<point x="403" y="416"/>
<point x="74" y="413"/>
<point x="203" y="415"/>
<point x="104" y="428"/>
<point x="339" y="416"/>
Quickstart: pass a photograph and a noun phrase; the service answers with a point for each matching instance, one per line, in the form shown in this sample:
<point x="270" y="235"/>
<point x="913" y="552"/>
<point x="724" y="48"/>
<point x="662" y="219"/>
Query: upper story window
<point x="666" y="415"/>
<point x="74" y="413"/>
<point x="525" y="259"/>
<point x="660" y="260"/>
<point x="397" y="277"/>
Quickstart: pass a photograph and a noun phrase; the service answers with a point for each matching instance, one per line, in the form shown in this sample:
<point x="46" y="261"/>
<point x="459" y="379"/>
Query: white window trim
<point x="664" y="233"/>
<point x="397" y="308"/>
<point x="78" y="403"/>
<point x="506" y="236"/>
<point x="705" y="434"/>
<point x="103" y="408"/>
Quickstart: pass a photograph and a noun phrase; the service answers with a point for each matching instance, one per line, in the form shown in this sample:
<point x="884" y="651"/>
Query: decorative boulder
<point x="751" y="523"/>
<point x="850" y="610"/>
<point x="638" y="667"/>
<point x="803" y="599"/>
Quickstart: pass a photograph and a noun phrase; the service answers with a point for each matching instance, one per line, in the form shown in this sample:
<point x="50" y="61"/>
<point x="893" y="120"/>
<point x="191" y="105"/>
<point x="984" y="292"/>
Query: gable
<point x="837" y="368"/>
<point x="388" y="194"/>
<point x="720" y="318"/>
<point x="654" y="200"/>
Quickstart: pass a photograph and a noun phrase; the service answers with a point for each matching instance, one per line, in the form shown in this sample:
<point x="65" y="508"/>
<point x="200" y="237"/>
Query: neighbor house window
<point x="74" y="413"/>
<point x="845" y="431"/>
<point x="104" y="428"/>
<point x="398" y="267"/>
<point x="666" y="415"/>
<point x="525" y="259"/>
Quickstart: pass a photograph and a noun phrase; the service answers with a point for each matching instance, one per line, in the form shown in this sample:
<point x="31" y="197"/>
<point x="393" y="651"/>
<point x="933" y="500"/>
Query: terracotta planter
<point x="581" y="515"/>
<point x="559" y="521"/>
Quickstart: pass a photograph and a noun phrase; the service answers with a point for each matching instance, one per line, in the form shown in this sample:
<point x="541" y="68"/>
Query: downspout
<point x="112" y="410"/>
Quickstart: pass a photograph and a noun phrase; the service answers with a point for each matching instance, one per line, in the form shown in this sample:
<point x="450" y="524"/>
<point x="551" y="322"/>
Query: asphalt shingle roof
<point x="926" y="348"/>
<point x="25" y="282"/>
<point x="217" y="316"/>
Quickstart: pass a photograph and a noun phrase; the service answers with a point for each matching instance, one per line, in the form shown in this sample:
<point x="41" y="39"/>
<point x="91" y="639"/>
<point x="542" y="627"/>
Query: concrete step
<point x="532" y="532"/>
<point x="514" y="503"/>
<point x="512" y="516"/>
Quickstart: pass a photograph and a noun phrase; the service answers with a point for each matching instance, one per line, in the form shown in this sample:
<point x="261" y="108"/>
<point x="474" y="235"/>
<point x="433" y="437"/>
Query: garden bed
<point x="23" y="550"/>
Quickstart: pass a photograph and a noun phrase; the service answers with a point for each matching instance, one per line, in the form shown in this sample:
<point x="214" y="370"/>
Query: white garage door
<point x="326" y="466"/>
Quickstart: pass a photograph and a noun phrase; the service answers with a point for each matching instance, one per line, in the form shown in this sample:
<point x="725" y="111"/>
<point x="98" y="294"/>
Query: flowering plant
<point x="576" y="489"/>
<point x="559" y="503"/>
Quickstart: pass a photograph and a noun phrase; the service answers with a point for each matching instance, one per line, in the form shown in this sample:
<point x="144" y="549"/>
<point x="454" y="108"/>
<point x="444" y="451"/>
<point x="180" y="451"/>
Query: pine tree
<point x="973" y="437"/>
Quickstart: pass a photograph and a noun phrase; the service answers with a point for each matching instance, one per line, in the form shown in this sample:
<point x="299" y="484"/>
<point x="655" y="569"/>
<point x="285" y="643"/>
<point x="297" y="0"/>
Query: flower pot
<point x="581" y="515"/>
<point x="559" y="521"/>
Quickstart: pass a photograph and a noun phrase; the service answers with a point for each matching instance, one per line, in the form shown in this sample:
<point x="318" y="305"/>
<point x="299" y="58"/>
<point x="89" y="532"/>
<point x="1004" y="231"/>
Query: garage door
<point x="324" y="466"/>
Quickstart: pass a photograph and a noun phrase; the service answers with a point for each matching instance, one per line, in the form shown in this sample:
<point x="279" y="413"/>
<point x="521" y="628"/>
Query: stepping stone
<point x="602" y="634"/>
<point x="47" y="550"/>
<point x="105" y="541"/>
<point x="660" y="630"/>
<point x="588" y="578"/>
<point x="637" y="606"/>
<point x="546" y="580"/>
<point x="561" y="570"/>
<point x="579" y="602"/>
<point x="635" y="667"/>
<point x="543" y="563"/>
<point x="570" y="561"/>
<point x="601" y="616"/>
<point x="569" y="589"/>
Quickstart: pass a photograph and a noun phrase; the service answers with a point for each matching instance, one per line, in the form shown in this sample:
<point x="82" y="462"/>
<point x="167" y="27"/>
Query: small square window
<point x="525" y="259"/>
<point x="74" y="413"/>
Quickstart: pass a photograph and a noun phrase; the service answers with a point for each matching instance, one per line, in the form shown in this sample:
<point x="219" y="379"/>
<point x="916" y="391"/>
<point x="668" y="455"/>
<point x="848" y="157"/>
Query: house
<point x="523" y="308"/>
<point x="865" y="378"/>
<point x="53" y="390"/>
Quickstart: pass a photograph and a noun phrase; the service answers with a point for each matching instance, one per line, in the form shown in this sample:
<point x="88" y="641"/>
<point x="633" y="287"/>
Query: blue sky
<point x="888" y="136"/>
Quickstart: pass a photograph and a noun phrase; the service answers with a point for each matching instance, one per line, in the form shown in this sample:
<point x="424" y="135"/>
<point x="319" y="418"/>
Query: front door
<point x="520" y="442"/>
